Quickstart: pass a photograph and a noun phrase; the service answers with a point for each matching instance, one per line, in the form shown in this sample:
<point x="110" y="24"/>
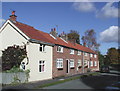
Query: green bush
<point x="14" y="70"/>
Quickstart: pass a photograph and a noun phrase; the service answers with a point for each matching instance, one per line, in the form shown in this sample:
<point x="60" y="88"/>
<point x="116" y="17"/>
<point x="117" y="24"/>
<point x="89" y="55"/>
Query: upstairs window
<point x="95" y="56"/>
<point x="71" y="63"/>
<point x="59" y="49"/>
<point x="79" y="52"/>
<point x="59" y="63"/>
<point x="91" y="55"/>
<point x="71" y="51"/>
<point x="85" y="54"/>
<point x="42" y="48"/>
<point x="41" y="66"/>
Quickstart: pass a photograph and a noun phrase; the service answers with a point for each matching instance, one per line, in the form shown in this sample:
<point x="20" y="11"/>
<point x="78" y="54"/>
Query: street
<point x="103" y="81"/>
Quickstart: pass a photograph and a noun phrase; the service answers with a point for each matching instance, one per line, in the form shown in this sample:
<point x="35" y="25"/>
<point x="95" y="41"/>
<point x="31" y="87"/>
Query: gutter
<point x="40" y="42"/>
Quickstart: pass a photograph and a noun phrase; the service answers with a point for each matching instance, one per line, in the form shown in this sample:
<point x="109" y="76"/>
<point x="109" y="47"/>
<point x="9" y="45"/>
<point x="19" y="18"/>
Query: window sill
<point x="42" y="52"/>
<point x="59" y="52"/>
<point x="71" y="53"/>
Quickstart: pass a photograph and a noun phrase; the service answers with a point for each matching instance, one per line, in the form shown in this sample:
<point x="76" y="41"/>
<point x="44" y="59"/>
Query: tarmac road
<point x="102" y="81"/>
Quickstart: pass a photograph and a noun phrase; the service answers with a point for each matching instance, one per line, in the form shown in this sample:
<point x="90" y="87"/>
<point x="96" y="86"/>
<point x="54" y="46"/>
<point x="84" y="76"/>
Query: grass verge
<point x="66" y="80"/>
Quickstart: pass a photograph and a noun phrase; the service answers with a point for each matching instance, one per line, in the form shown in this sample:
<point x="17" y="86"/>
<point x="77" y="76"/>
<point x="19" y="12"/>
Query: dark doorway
<point x="67" y="66"/>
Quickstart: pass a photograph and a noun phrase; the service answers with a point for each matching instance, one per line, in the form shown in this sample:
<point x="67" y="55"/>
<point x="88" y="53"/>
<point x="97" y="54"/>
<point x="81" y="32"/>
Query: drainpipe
<point x="83" y="63"/>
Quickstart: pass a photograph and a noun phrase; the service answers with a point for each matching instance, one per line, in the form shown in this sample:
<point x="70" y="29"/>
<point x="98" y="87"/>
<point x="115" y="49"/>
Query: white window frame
<point x="95" y="63"/>
<point x="59" y="63"/>
<point x="85" y="53"/>
<point x="42" y="64"/>
<point x="91" y="55"/>
<point x="79" y="63"/>
<point x="43" y="48"/>
<point x="60" y="49"/>
<point x="72" y="63"/>
<point x="95" y="56"/>
<point x="79" y="53"/>
<point x="85" y="63"/>
<point x="71" y="51"/>
<point x="91" y="63"/>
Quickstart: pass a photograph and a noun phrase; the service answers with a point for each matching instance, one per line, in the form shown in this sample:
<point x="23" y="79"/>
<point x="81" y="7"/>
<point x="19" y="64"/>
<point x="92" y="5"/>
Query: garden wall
<point x="9" y="78"/>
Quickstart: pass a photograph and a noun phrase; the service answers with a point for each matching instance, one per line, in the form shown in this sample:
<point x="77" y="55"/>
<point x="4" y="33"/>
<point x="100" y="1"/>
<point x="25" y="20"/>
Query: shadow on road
<point x="101" y="81"/>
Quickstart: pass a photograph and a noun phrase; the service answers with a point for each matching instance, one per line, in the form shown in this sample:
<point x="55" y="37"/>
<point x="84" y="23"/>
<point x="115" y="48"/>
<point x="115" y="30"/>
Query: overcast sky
<point x="80" y="16"/>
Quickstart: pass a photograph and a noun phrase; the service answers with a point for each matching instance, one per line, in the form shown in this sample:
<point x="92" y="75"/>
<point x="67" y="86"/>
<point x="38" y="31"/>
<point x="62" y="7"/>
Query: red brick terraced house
<point x="49" y="56"/>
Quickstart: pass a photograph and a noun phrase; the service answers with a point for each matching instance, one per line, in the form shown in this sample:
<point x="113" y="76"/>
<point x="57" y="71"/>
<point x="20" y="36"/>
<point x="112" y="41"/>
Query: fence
<point x="9" y="78"/>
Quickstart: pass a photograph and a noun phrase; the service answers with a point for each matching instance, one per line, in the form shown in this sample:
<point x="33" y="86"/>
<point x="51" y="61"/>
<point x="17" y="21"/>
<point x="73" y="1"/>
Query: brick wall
<point x="66" y="56"/>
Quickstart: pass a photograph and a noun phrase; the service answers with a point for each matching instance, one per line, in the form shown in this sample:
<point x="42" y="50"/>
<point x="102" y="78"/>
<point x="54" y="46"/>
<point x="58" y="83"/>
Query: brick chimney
<point x="73" y="41"/>
<point x="84" y="44"/>
<point x="13" y="16"/>
<point x="64" y="36"/>
<point x="54" y="32"/>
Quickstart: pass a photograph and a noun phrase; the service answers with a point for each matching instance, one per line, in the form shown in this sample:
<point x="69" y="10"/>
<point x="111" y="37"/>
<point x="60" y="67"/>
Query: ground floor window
<point x="95" y="63"/>
<point x="59" y="63"/>
<point x="91" y="63"/>
<point x="85" y="63"/>
<point x="79" y="63"/>
<point x="71" y="63"/>
<point x="41" y="66"/>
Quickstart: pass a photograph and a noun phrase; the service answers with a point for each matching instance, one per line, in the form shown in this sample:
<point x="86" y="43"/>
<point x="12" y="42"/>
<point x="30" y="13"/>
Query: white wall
<point x="9" y="37"/>
<point x="35" y="56"/>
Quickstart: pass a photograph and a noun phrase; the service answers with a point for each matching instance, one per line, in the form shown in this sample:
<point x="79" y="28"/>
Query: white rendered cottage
<point x="39" y="53"/>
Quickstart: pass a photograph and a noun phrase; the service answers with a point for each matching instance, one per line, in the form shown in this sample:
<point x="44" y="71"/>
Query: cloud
<point x="108" y="11"/>
<point x="110" y="34"/>
<point x="84" y="6"/>
<point x="2" y="21"/>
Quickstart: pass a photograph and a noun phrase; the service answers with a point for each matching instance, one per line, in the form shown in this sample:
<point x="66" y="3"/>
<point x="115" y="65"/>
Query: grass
<point x="66" y="80"/>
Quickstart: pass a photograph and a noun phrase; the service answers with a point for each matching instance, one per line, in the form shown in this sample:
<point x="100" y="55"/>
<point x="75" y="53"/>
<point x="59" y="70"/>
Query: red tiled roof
<point x="45" y="37"/>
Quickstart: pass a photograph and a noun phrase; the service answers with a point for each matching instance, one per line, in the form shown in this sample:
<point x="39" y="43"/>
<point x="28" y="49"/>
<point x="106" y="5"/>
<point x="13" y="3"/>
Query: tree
<point x="113" y="55"/>
<point x="90" y="40"/>
<point x="13" y="56"/>
<point x="101" y="59"/>
<point x="74" y="35"/>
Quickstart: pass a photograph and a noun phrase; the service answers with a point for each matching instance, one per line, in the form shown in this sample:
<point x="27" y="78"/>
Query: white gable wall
<point x="9" y="37"/>
<point x="35" y="57"/>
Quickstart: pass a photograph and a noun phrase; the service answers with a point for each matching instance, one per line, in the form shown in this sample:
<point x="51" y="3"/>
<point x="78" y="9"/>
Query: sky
<point x="79" y="16"/>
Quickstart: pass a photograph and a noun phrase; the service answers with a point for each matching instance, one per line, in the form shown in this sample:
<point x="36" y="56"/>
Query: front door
<point x="67" y="66"/>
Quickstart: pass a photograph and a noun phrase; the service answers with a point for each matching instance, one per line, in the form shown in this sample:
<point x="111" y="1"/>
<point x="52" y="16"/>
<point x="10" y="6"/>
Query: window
<point x="85" y="54"/>
<point x="95" y="63"/>
<point x="71" y="51"/>
<point x="79" y="52"/>
<point x="95" y="56"/>
<point x="91" y="55"/>
<point x="42" y="48"/>
<point x="41" y="66"/>
<point x="91" y="63"/>
<point x="71" y="63"/>
<point x="59" y="49"/>
<point x="85" y="63"/>
<point x="59" y="63"/>
<point x="79" y="63"/>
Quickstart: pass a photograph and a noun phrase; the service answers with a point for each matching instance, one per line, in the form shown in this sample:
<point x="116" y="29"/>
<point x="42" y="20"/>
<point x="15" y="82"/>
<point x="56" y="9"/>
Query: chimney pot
<point x="13" y="12"/>
<point x="13" y="16"/>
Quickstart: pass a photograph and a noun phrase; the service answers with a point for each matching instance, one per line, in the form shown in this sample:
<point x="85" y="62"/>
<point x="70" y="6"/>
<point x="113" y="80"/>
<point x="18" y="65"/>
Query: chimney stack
<point x="54" y="32"/>
<point x="64" y="36"/>
<point x="13" y="16"/>
<point x="84" y="44"/>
